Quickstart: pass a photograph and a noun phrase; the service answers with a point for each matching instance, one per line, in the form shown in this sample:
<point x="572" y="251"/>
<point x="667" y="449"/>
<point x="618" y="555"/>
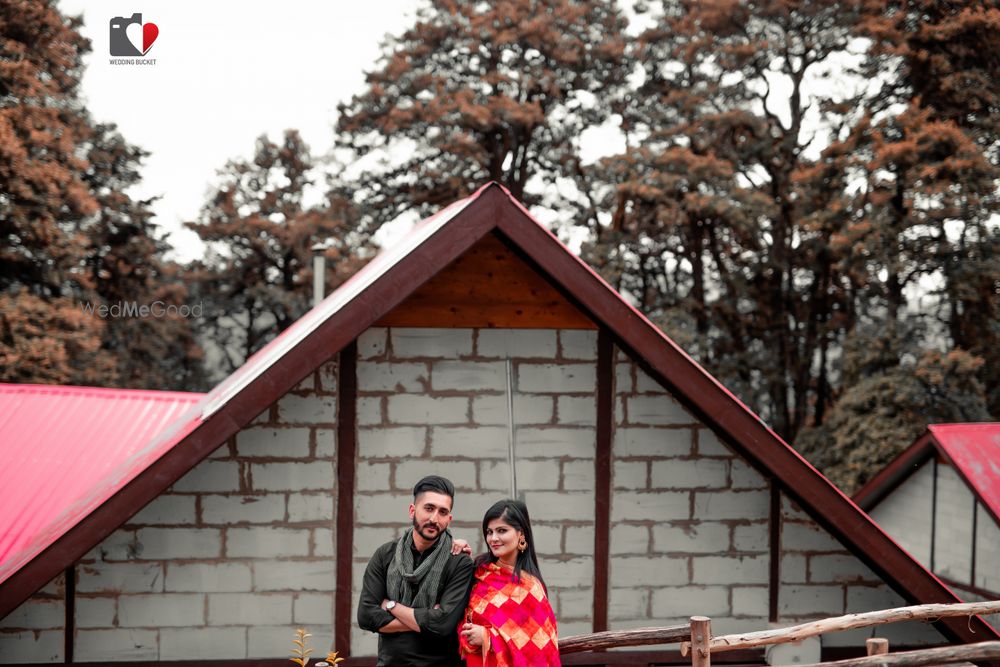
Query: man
<point x="415" y="590"/>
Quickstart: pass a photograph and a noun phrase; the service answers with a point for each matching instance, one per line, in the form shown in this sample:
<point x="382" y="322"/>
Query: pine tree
<point x="479" y="91"/>
<point x="72" y="238"/>
<point x="893" y="388"/>
<point x="257" y="277"/>
<point x="722" y="215"/>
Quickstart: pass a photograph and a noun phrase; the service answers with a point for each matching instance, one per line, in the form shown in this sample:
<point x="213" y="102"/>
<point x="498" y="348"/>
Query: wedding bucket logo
<point x="131" y="40"/>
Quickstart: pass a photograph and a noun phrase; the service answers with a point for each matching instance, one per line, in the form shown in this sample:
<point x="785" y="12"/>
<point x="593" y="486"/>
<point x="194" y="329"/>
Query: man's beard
<point x="420" y="530"/>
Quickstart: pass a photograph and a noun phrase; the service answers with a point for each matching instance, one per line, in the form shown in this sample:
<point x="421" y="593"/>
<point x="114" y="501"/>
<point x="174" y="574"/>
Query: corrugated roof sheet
<point x="975" y="450"/>
<point x="65" y="450"/>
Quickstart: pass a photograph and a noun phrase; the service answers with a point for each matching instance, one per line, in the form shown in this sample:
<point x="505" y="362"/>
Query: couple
<point x="416" y="590"/>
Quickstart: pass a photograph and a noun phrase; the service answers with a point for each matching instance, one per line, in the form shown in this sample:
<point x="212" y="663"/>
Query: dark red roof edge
<point x="891" y="476"/>
<point x="494" y="208"/>
<point x="904" y="465"/>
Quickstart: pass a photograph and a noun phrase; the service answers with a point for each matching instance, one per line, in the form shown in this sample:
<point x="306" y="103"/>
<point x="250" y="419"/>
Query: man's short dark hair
<point x="436" y="484"/>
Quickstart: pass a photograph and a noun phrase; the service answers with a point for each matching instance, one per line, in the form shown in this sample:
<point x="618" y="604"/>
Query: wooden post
<point x="877" y="646"/>
<point x="701" y="635"/>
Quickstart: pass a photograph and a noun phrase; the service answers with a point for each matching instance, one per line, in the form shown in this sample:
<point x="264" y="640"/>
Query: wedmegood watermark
<point x="125" y="309"/>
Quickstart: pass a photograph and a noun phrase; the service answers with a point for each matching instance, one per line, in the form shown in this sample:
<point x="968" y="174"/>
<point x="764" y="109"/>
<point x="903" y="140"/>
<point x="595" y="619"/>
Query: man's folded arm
<point x="443" y="619"/>
<point x="371" y="616"/>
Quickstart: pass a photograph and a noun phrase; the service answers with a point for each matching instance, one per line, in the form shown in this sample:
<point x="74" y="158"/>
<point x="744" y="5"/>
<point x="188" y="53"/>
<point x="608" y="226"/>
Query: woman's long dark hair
<point x="515" y="513"/>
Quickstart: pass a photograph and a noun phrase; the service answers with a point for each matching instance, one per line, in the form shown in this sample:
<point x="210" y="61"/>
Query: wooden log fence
<point x="599" y="641"/>
<point x="696" y="639"/>
<point x="944" y="655"/>
<point x="848" y="622"/>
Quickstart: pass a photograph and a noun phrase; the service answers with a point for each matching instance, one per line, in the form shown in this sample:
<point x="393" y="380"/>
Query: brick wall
<point x="690" y="532"/>
<point x="34" y="631"/>
<point x="689" y="519"/>
<point x="953" y="526"/>
<point x="820" y="578"/>
<point x="987" y="548"/>
<point x="226" y="563"/>
<point x="906" y="513"/>
<point x="434" y="401"/>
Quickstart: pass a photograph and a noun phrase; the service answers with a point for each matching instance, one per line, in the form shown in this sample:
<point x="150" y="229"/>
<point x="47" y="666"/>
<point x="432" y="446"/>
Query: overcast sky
<point x="225" y="73"/>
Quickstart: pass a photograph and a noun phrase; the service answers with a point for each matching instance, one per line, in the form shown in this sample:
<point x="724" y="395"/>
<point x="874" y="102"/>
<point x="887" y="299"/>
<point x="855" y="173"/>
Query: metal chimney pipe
<point x="319" y="272"/>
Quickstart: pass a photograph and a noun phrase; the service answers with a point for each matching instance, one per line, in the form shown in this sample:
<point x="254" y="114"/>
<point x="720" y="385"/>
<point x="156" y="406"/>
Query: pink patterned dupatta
<point x="517" y="616"/>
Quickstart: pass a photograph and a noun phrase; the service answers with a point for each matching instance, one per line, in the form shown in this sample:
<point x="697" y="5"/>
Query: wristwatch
<point x="389" y="605"/>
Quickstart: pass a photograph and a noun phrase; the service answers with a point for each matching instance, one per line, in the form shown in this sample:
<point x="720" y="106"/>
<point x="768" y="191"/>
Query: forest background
<point x="805" y="199"/>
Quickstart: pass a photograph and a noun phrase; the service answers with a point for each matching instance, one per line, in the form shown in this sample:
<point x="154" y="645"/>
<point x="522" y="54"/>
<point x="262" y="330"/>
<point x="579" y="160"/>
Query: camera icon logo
<point x="128" y="35"/>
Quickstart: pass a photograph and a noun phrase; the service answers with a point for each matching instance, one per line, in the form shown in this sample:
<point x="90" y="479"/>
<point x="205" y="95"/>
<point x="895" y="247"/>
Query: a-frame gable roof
<point x="973" y="450"/>
<point x="384" y="284"/>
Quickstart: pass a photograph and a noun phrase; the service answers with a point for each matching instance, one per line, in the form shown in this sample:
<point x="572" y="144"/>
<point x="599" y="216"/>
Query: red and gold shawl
<point x="518" y="618"/>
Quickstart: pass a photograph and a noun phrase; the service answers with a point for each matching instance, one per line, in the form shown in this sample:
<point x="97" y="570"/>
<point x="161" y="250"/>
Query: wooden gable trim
<point x="894" y="474"/>
<point x="489" y="286"/>
<point x="602" y="479"/>
<point x="347" y="445"/>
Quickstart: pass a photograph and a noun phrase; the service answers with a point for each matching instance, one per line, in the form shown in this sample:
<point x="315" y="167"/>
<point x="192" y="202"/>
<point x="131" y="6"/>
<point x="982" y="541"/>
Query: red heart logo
<point x="149" y="34"/>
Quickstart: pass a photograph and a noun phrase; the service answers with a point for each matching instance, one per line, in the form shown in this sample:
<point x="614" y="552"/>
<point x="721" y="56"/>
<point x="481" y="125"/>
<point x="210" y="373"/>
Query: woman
<point x="509" y="620"/>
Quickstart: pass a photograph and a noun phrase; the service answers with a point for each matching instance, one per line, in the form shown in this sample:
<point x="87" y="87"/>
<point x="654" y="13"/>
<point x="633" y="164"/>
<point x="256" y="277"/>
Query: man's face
<point x="431" y="514"/>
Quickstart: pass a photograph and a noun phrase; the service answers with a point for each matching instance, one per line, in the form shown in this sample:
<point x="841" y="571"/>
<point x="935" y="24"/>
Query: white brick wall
<point x="31" y="646"/>
<point x="242" y="509"/>
<point x="448" y="415"/>
<point x="394" y="377"/>
<point x="167" y="509"/>
<point x="953" y="526"/>
<point x="906" y="513"/>
<point x="111" y="577"/>
<point x="274" y="442"/>
<point x="690" y="520"/>
<point x="95" y="612"/>
<point x="249" y="609"/>
<point x="36" y="614"/>
<point x="491" y="410"/>
<point x="161" y="610"/>
<point x="430" y="343"/>
<point x="116" y="645"/>
<point x="820" y="578"/>
<point x="203" y="643"/>
<point x="266" y="542"/>
<point x="208" y="577"/>
<point x="556" y="378"/>
<point x="987" y="550"/>
<point x="524" y="343"/>
<point x="578" y="344"/>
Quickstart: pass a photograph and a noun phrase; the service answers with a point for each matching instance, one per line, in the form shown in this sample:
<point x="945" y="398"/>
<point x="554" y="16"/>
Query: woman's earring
<point x="522" y="545"/>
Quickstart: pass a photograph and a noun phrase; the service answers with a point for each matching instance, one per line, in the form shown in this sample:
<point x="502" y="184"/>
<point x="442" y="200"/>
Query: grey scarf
<point x="417" y="587"/>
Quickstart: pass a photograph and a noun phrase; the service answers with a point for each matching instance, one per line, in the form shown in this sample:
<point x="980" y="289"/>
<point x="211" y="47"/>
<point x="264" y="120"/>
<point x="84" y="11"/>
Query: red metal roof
<point x="65" y="450"/>
<point x="974" y="450"/>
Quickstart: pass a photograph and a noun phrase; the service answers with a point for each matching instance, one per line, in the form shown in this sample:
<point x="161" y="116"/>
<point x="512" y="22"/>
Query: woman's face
<point x="502" y="539"/>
